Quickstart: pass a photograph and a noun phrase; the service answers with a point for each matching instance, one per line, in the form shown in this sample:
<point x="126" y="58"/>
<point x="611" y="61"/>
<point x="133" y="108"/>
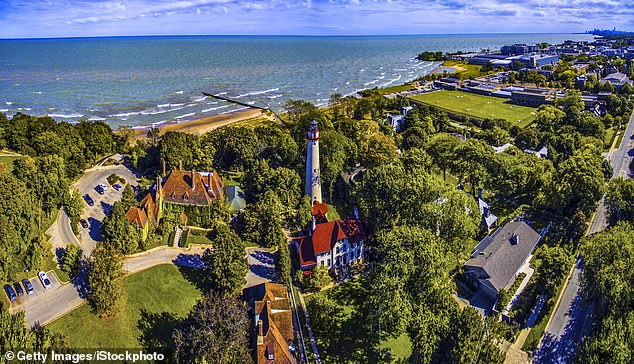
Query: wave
<point x="184" y="116"/>
<point x="146" y="112"/>
<point x="220" y="94"/>
<point x="96" y="118"/>
<point x="235" y="110"/>
<point x="65" y="116"/>
<point x="9" y="102"/>
<point x="275" y="96"/>
<point x="370" y="83"/>
<point x="4" y="110"/>
<point x="37" y="92"/>
<point x="126" y="114"/>
<point x="253" y="93"/>
<point x="179" y="92"/>
<point x="215" y="108"/>
<point x="163" y="105"/>
<point x="199" y="99"/>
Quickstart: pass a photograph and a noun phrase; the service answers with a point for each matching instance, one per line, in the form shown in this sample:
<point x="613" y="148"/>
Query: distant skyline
<point x="77" y="18"/>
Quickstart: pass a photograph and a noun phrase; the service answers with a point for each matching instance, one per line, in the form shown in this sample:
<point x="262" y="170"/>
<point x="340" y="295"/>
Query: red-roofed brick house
<point x="332" y="244"/>
<point x="192" y="188"/>
<point x="271" y="309"/>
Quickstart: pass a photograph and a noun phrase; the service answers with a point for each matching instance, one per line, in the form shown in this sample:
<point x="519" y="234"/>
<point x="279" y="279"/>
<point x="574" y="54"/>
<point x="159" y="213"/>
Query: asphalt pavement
<point x="572" y="315"/>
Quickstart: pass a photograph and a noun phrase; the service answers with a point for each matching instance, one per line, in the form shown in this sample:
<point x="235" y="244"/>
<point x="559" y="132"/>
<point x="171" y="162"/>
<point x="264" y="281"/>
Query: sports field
<point x="478" y="106"/>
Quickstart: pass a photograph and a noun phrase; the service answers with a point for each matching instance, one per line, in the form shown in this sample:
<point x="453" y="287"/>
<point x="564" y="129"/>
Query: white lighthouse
<point x="313" y="182"/>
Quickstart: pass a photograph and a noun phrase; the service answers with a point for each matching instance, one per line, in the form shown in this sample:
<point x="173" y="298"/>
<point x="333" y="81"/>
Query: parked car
<point x="18" y="289"/>
<point x="88" y="200"/>
<point x="103" y="186"/>
<point x="10" y="292"/>
<point x="28" y="287"/>
<point x="99" y="190"/>
<point x="44" y="279"/>
<point x="83" y="223"/>
<point x="117" y="186"/>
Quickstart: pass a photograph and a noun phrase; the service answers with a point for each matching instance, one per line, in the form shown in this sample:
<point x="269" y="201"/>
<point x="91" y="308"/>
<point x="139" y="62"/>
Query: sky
<point x="75" y="18"/>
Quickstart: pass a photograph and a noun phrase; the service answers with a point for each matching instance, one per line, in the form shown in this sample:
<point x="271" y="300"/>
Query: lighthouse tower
<point x="313" y="182"/>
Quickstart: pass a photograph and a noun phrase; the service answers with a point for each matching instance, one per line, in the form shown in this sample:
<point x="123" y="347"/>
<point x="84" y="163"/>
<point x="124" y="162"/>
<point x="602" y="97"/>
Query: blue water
<point x="139" y="81"/>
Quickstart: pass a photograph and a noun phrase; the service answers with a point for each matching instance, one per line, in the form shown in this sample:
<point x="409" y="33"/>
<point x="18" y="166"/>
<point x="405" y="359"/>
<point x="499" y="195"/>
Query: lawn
<point x="155" y="300"/>
<point x="464" y="70"/>
<point x="348" y="335"/>
<point x="478" y="106"/>
<point x="7" y="158"/>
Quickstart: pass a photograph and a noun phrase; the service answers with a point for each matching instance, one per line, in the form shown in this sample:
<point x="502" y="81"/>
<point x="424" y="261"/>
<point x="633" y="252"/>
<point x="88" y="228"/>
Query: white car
<point x="44" y="279"/>
<point x="103" y="186"/>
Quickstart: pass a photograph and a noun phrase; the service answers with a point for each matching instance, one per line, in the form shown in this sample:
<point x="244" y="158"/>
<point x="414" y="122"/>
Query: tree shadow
<point x="106" y="207"/>
<point x="59" y="254"/>
<point x="263" y="257"/>
<point x="94" y="229"/>
<point x="156" y="331"/>
<point x="81" y="280"/>
<point x="263" y="271"/>
<point x="562" y="349"/>
<point x="193" y="261"/>
<point x="198" y="277"/>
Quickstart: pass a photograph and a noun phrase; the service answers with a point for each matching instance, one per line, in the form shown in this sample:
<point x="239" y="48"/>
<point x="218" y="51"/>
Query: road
<point x="45" y="306"/>
<point x="572" y="316"/>
<point x="261" y="266"/>
<point x="61" y="232"/>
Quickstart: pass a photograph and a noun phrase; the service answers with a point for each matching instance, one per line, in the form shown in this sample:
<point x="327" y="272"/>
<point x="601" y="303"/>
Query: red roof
<point x="136" y="216"/>
<point x="190" y="187"/>
<point x="327" y="234"/>
<point x="320" y="208"/>
<point x="306" y="251"/>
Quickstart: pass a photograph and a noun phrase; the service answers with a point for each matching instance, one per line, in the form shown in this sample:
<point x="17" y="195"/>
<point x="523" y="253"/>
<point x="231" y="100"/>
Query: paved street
<point x="571" y="317"/>
<point x="261" y="266"/>
<point x="45" y="306"/>
<point x="61" y="232"/>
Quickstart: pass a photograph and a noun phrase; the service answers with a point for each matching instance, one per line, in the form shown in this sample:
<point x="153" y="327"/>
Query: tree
<point x="129" y="196"/>
<point x="71" y="260"/>
<point x="14" y="335"/>
<point x="317" y="279"/>
<point x="226" y="263"/>
<point x="619" y="200"/>
<point x="75" y="205"/>
<point x="179" y="148"/>
<point x="283" y="263"/>
<point x="554" y="263"/>
<point x="263" y="221"/>
<point x="216" y="331"/>
<point x="304" y="213"/>
<point x="118" y="231"/>
<point x="105" y="280"/>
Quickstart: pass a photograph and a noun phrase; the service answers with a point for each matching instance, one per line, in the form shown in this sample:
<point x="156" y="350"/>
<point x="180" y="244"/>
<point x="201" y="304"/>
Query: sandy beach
<point x="201" y="126"/>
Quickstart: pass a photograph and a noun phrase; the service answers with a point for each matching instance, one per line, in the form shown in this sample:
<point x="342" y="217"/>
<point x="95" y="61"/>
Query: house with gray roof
<point x="235" y="198"/>
<point x="497" y="260"/>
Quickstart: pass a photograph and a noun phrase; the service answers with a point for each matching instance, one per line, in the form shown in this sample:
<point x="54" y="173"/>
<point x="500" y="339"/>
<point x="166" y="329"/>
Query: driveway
<point x="45" y="306"/>
<point x="61" y="232"/>
<point x="261" y="266"/>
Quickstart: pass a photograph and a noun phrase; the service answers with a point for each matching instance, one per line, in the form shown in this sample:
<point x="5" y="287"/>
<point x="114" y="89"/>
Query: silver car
<point x="44" y="279"/>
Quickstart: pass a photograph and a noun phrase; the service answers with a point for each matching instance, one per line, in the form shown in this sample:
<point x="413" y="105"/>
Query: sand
<point x="201" y="126"/>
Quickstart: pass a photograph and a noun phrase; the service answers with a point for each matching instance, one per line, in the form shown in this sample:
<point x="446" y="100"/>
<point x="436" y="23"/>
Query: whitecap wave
<point x="275" y="96"/>
<point x="215" y="108"/>
<point x="96" y="118"/>
<point x="65" y="116"/>
<point x="185" y="115"/>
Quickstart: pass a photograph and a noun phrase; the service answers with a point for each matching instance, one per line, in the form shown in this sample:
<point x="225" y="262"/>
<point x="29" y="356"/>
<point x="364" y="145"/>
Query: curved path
<point x="45" y="306"/>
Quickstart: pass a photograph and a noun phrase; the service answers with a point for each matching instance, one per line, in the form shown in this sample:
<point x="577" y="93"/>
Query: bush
<point x="114" y="178"/>
<point x="317" y="280"/>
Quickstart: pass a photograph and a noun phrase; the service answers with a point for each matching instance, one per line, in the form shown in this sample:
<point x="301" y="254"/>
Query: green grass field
<point x="156" y="299"/>
<point x="7" y="158"/>
<point x="478" y="106"/>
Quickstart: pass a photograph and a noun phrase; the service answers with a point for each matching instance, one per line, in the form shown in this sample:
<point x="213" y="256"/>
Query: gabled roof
<point x="501" y="254"/>
<point x="192" y="188"/>
<point x="485" y="211"/>
<point x="235" y="198"/>
<point x="136" y="216"/>
<point x="327" y="234"/>
<point x="151" y="208"/>
<point x="306" y="251"/>
<point x="270" y="305"/>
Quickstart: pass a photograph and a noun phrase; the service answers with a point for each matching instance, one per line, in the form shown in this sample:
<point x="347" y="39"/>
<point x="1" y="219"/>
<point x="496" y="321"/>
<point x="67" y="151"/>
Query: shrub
<point x="71" y="259"/>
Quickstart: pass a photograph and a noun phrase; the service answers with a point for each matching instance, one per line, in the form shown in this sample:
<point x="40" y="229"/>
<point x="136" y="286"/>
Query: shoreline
<point x="202" y="125"/>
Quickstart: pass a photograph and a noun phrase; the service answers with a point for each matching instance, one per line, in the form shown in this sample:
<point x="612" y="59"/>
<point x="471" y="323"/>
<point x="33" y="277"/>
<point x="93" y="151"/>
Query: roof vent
<point x="515" y="239"/>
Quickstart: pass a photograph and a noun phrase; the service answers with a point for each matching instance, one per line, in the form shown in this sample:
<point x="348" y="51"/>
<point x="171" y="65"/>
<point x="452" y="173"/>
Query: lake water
<point x="146" y="80"/>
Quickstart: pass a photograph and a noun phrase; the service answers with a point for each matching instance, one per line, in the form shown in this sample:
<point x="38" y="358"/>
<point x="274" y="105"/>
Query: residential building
<point x="274" y="335"/>
<point x="498" y="259"/>
<point x="191" y="188"/>
<point x="488" y="219"/>
<point x="147" y="214"/>
<point x="332" y="244"/>
<point x="617" y="79"/>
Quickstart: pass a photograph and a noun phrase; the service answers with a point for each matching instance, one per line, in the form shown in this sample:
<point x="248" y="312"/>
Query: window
<point x="337" y="250"/>
<point x="322" y="263"/>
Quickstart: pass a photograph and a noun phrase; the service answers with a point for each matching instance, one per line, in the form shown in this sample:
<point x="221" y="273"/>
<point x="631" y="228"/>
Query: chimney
<point x="480" y="190"/>
<point x="164" y="167"/>
<point x="180" y="165"/>
<point x="158" y="186"/>
<point x="209" y="180"/>
<point x="314" y="224"/>
<point x="193" y="183"/>
<point x="260" y="333"/>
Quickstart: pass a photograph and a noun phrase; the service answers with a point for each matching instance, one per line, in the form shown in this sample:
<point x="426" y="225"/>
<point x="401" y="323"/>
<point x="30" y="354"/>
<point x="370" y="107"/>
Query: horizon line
<point x="283" y="35"/>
